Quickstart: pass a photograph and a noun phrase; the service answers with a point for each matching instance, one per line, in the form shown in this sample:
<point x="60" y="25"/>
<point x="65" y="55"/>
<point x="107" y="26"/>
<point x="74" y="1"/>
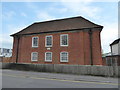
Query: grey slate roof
<point x="58" y="25"/>
<point x="115" y="42"/>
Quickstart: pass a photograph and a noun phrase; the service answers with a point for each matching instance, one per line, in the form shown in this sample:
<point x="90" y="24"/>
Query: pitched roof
<point x="115" y="42"/>
<point x="58" y="25"/>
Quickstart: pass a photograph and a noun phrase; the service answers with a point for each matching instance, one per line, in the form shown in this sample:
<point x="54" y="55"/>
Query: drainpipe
<point x="90" y="37"/>
<point x="18" y="39"/>
<point x="111" y="49"/>
<point x="111" y="54"/>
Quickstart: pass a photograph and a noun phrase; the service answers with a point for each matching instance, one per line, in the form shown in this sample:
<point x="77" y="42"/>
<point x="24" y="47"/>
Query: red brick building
<point x="65" y="41"/>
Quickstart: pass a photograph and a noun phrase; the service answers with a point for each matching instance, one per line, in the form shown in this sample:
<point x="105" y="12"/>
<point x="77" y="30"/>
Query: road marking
<point x="13" y="75"/>
<point x="75" y="81"/>
<point x="24" y="76"/>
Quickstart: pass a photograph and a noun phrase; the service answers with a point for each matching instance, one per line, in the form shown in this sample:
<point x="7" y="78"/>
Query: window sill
<point x="64" y="61"/>
<point x="35" y="47"/>
<point x="48" y="46"/>
<point x="47" y="61"/>
<point x="34" y="60"/>
<point x="64" y="45"/>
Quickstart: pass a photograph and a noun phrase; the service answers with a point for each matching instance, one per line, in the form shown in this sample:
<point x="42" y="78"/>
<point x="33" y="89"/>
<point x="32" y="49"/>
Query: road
<point x="29" y="79"/>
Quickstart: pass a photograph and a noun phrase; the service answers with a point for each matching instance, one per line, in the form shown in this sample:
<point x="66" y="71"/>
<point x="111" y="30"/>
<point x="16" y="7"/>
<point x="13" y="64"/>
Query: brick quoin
<point x="78" y="45"/>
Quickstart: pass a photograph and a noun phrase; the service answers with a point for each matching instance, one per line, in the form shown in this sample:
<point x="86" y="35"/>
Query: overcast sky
<point x="18" y="15"/>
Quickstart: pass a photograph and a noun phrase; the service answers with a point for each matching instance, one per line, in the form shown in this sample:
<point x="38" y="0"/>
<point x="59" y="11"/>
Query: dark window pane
<point x="49" y="40"/>
<point x="35" y="41"/>
<point x="64" y="40"/>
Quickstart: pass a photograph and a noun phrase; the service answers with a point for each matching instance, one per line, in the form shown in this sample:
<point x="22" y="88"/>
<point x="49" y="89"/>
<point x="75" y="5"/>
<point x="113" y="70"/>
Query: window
<point x="34" y="56"/>
<point x="48" y="41"/>
<point x="48" y="56"/>
<point x="64" y="56"/>
<point x="64" y="40"/>
<point x="34" y="41"/>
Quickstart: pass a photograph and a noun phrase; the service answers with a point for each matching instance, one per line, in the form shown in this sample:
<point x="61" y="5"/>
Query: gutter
<point x="66" y="30"/>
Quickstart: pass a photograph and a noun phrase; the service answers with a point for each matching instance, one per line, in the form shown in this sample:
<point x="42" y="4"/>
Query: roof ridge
<point x="66" y="19"/>
<point x="57" y="20"/>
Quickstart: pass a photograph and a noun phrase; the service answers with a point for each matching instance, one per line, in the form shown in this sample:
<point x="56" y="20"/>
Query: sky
<point x="18" y="15"/>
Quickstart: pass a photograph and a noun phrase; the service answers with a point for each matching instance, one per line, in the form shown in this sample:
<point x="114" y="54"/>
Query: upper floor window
<point x="34" y="56"/>
<point x="48" y="56"/>
<point x="64" y="40"/>
<point x="64" y="57"/>
<point x="34" y="41"/>
<point x="48" y="41"/>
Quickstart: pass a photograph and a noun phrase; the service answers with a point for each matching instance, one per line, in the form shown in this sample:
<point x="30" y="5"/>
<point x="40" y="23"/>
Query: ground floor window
<point x="48" y="56"/>
<point x="64" y="57"/>
<point x="34" y="56"/>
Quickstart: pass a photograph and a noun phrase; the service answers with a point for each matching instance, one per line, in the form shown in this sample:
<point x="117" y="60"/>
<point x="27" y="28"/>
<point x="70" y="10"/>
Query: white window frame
<point x="45" y="57"/>
<point x="61" y="39"/>
<point x="46" y="41"/>
<point x="32" y="56"/>
<point x="32" y="41"/>
<point x="61" y="57"/>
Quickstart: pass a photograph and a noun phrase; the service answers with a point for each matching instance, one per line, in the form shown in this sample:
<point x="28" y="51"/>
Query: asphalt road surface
<point x="29" y="79"/>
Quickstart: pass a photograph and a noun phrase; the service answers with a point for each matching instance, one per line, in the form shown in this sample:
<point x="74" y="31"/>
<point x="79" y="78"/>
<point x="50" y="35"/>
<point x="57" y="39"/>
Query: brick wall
<point x="15" y="41"/>
<point x="78" y="49"/>
<point x="96" y="43"/>
<point x="111" y="60"/>
<point x="6" y="59"/>
<point x="104" y="61"/>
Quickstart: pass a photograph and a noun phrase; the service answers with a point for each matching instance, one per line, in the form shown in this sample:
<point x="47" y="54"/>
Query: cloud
<point x="8" y="15"/>
<point x="108" y="35"/>
<point x="40" y="14"/>
<point x="6" y="39"/>
<point x="32" y="6"/>
<point x="60" y="10"/>
<point x="79" y="7"/>
<point x="13" y="28"/>
<point x="82" y="7"/>
<point x="44" y="16"/>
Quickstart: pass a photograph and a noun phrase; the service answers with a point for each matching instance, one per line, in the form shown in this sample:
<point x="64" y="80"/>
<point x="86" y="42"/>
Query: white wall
<point x="119" y="48"/>
<point x="115" y="49"/>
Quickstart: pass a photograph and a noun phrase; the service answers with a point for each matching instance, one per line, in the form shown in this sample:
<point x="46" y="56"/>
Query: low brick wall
<point x="111" y="60"/>
<point x="108" y="71"/>
<point x="5" y="59"/>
